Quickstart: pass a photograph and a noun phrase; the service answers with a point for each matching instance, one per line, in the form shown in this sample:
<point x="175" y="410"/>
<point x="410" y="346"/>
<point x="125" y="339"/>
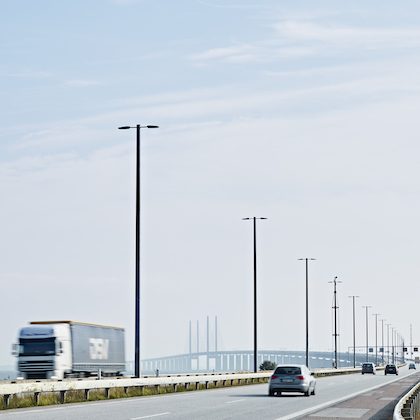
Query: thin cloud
<point x="82" y="83"/>
<point x="351" y="36"/>
<point x="226" y="53"/>
<point x="27" y="74"/>
<point x="293" y="39"/>
<point x="229" y="6"/>
<point x="123" y="2"/>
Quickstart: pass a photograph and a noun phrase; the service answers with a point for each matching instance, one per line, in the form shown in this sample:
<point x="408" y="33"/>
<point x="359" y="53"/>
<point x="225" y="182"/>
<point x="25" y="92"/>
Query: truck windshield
<point x="37" y="347"/>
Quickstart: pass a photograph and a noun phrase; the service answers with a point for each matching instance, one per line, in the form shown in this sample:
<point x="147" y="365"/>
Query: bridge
<point x="214" y="360"/>
<point x="243" y="360"/>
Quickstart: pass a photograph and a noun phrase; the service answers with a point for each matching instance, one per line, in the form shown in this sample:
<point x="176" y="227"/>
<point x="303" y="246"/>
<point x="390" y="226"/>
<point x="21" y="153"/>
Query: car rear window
<point x="288" y="370"/>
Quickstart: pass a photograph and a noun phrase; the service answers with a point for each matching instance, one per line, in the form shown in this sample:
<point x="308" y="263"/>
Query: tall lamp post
<point x="376" y="338"/>
<point x="387" y="343"/>
<point x="354" y="331"/>
<point x="335" y="307"/>
<point x="382" y="320"/>
<point x="411" y="340"/>
<point x="393" y="350"/>
<point x="255" y="287"/>
<point x="367" y="333"/>
<point x="307" y="309"/>
<point x="137" y="370"/>
<point x="403" y="348"/>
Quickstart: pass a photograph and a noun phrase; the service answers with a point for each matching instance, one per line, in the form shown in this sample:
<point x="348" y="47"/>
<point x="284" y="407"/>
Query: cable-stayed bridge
<point x="214" y="360"/>
<point x="243" y="360"/>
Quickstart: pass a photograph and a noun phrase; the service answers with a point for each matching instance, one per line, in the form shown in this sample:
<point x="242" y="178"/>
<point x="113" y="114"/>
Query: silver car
<point x="368" y="368"/>
<point x="292" y="378"/>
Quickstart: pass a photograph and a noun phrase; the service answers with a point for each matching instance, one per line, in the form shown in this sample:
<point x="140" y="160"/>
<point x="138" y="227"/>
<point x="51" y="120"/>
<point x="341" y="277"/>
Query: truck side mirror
<point x="15" y="348"/>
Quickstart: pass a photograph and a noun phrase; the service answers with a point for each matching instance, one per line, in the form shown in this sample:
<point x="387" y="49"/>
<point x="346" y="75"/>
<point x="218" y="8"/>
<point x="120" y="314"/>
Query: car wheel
<point x="385" y="373"/>
<point x="307" y="393"/>
<point x="271" y="393"/>
<point x="313" y="391"/>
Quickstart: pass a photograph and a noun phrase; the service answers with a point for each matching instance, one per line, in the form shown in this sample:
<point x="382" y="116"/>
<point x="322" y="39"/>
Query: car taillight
<point x="274" y="377"/>
<point x="300" y="377"/>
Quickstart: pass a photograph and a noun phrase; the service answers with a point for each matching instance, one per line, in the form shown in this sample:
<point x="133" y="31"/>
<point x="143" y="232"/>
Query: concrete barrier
<point x="25" y="387"/>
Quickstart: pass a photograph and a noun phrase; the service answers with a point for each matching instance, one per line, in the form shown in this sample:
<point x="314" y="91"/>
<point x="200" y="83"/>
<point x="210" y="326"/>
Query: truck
<point x="68" y="349"/>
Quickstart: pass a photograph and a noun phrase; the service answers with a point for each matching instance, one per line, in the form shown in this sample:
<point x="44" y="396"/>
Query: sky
<point x="303" y="112"/>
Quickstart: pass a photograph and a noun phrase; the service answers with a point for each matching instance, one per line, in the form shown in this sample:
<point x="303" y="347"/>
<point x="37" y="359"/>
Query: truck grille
<point x="36" y="365"/>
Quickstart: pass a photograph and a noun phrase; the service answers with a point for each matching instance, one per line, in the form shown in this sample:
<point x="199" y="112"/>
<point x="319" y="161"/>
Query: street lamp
<point x="255" y="288"/>
<point x="307" y="312"/>
<point x="400" y="345"/>
<point x="376" y="338"/>
<point x="335" y="307"/>
<point x="382" y="320"/>
<point x="387" y="343"/>
<point x="367" y="333"/>
<point x="137" y="279"/>
<point x="393" y="349"/>
<point x="354" y="331"/>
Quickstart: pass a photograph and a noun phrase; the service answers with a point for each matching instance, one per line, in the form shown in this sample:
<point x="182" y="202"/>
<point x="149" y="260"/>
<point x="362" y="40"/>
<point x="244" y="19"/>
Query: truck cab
<point x="44" y="351"/>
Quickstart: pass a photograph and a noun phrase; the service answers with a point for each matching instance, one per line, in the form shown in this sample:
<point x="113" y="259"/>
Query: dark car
<point x="412" y="366"/>
<point x="391" y="369"/>
<point x="368" y="368"/>
<point x="292" y="378"/>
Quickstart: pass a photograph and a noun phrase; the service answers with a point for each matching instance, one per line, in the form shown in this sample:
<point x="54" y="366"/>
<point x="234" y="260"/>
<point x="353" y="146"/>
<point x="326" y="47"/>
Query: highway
<point x="241" y="402"/>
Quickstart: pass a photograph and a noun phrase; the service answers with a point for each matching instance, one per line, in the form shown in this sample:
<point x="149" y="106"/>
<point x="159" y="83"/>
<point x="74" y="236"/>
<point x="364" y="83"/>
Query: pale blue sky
<point x="303" y="112"/>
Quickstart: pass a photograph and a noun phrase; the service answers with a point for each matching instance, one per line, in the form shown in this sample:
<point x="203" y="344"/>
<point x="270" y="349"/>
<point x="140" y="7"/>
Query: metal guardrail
<point x="13" y="388"/>
<point x="408" y="408"/>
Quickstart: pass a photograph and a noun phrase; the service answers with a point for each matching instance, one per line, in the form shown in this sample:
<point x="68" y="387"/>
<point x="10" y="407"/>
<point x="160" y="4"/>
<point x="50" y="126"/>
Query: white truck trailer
<point x="60" y="349"/>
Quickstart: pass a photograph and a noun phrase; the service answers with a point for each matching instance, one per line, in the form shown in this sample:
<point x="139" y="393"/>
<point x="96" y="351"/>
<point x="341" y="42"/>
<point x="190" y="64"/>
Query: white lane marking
<point x="40" y="410"/>
<point x="328" y="403"/>
<point x="57" y="408"/>
<point x="21" y="412"/>
<point x="148" y="417"/>
<point x="231" y="402"/>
